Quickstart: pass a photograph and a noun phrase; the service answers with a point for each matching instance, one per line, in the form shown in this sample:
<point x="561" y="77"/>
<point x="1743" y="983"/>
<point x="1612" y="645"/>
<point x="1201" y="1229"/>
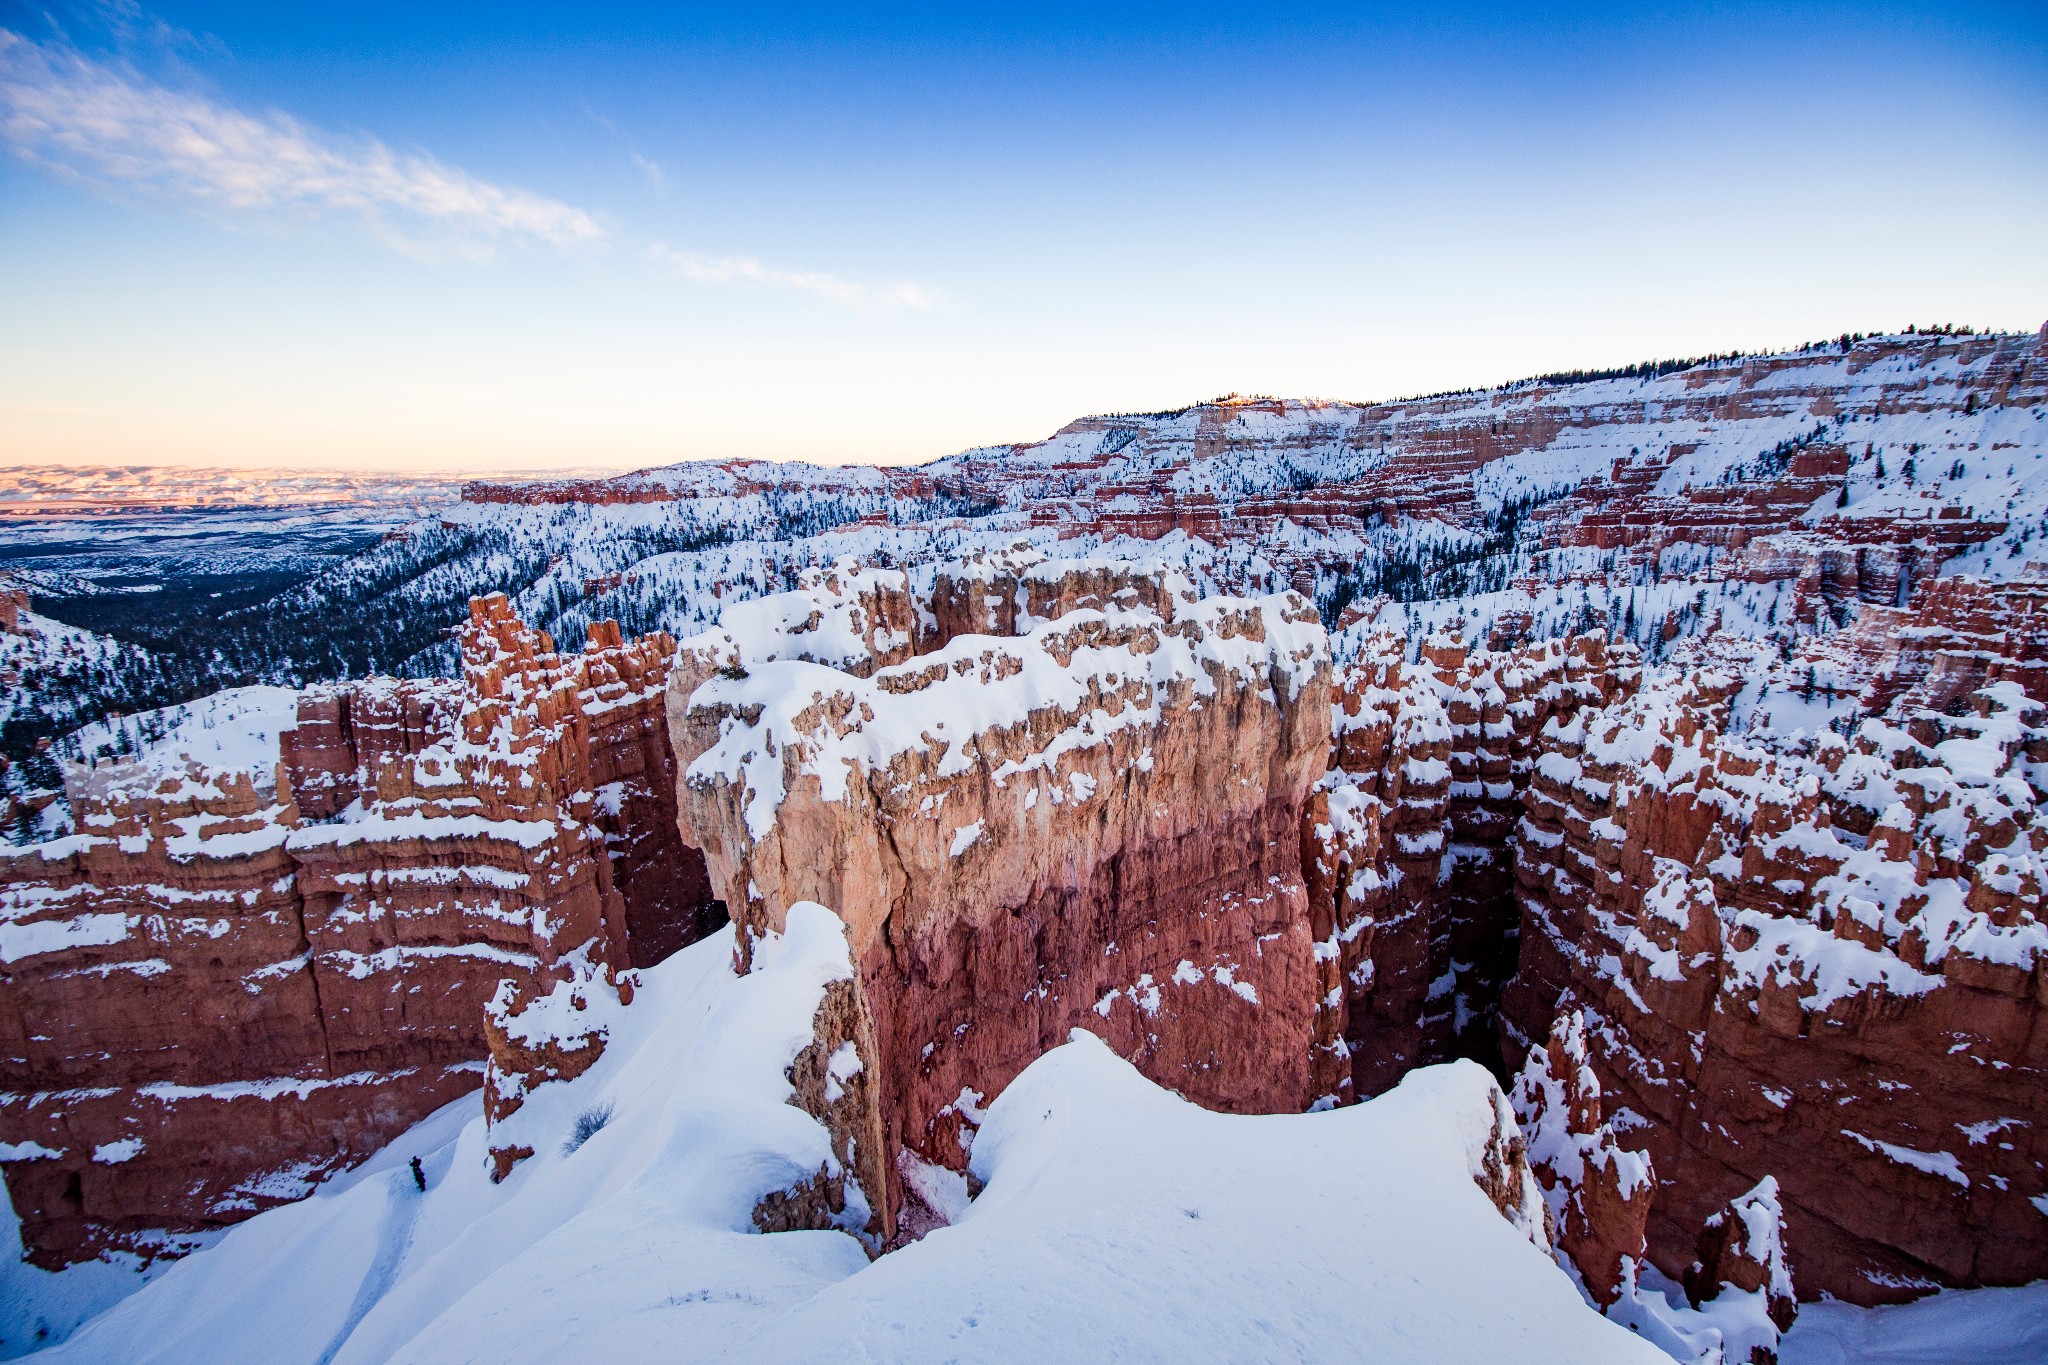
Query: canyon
<point x="1649" y="740"/>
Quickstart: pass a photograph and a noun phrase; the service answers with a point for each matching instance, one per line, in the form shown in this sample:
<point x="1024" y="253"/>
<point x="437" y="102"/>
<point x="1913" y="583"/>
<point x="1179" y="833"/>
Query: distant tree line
<point x="1421" y="569"/>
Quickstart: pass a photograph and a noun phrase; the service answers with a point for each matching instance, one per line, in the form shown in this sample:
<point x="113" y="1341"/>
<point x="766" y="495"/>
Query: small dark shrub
<point x="587" y="1123"/>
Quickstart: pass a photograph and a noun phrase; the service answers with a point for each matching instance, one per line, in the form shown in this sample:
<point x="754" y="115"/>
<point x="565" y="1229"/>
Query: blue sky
<point x="511" y="236"/>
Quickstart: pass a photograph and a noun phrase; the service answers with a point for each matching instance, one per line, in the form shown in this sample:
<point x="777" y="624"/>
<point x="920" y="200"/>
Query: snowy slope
<point x="233" y="730"/>
<point x="1967" y="1327"/>
<point x="1117" y="1222"/>
<point x="44" y="646"/>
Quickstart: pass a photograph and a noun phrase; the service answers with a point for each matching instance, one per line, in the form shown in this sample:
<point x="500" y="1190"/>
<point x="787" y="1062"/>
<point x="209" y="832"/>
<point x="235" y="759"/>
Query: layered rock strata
<point x="215" y="995"/>
<point x="1410" y="839"/>
<point x="1823" y="963"/>
<point x="1735" y="1300"/>
<point x="1598" y="1192"/>
<point x="1092" y="824"/>
<point x="1615" y="464"/>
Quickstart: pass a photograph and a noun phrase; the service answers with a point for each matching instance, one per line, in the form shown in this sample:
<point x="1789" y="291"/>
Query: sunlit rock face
<point x="13" y="602"/>
<point x="1791" y="956"/>
<point x="1093" y="823"/>
<point x="1819" y="961"/>
<point x="219" y="992"/>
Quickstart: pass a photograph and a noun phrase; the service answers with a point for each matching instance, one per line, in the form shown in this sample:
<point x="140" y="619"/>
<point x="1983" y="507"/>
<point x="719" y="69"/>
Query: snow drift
<point x="1114" y="1219"/>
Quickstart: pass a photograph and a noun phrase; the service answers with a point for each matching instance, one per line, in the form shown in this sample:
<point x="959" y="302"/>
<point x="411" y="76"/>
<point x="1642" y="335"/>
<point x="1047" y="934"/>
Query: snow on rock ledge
<point x="1824" y="962"/>
<point x="1135" y="769"/>
<point x="270" y="946"/>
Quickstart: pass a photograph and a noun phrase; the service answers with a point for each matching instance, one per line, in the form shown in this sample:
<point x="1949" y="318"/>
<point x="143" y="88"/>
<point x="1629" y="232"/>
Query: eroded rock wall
<point x="1823" y="966"/>
<point x="1411" y="838"/>
<point x="214" y="995"/>
<point x="1095" y="825"/>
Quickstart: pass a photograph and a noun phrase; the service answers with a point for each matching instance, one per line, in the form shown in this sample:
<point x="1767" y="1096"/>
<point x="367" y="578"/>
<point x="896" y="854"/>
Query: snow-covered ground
<point x="44" y="644"/>
<point x="39" y="1306"/>
<point x="1117" y="1222"/>
<point x="233" y="730"/>
<point x="59" y="491"/>
<point x="1969" y="1327"/>
<point x="68" y="529"/>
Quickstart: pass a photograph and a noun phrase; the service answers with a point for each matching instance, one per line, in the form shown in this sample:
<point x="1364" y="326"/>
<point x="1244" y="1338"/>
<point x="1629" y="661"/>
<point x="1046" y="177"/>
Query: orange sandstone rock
<point x="1094" y="824"/>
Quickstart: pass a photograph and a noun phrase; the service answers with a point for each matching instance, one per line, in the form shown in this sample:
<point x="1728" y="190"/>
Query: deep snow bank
<point x="1116" y="1220"/>
<point x="1959" y="1327"/>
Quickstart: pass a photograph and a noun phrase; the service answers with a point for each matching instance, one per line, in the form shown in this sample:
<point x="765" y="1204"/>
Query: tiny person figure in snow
<point x="419" y="1177"/>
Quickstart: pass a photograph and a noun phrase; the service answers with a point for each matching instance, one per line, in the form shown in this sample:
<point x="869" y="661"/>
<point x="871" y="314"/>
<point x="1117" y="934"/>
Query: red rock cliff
<point x="213" y="995"/>
<point x="1824" y="965"/>
<point x="1093" y="824"/>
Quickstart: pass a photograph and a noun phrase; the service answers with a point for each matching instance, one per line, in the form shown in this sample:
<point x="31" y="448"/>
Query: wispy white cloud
<point x="702" y="269"/>
<point x="133" y="28"/>
<point x="108" y="124"/>
<point x="103" y="121"/>
<point x="651" y="168"/>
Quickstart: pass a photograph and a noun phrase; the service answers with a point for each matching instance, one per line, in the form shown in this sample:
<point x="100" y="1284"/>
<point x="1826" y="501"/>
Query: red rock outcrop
<point x="346" y="732"/>
<point x="166" y="1061"/>
<point x="213" y="995"/>
<point x="1742" y="1253"/>
<point x="1598" y="1192"/>
<point x="1822" y="963"/>
<point x="1094" y="824"/>
<point x="1738" y="1296"/>
<point x="1410" y="841"/>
